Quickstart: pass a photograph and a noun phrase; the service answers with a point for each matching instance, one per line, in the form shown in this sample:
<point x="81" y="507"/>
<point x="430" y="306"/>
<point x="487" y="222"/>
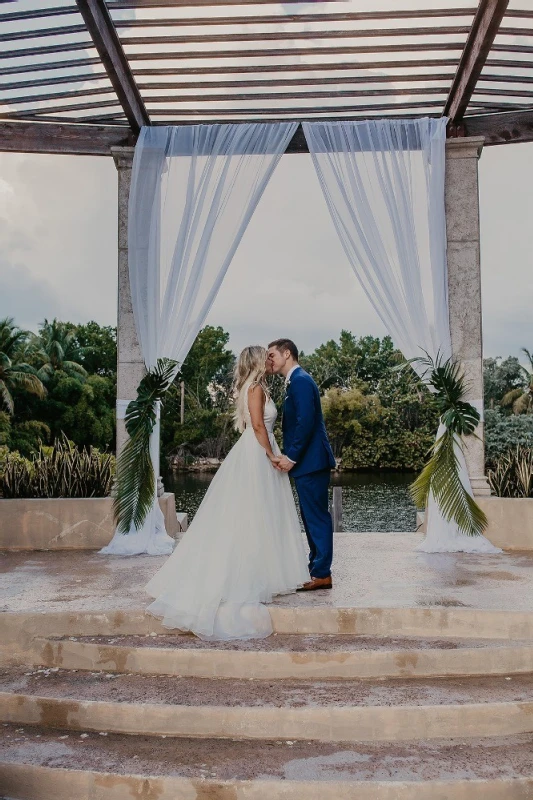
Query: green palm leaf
<point x="135" y="481"/>
<point x="441" y="474"/>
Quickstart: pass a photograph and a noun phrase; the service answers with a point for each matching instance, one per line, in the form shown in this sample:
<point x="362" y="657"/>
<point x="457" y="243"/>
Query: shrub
<point x="59" y="471"/>
<point x="512" y="475"/>
<point x="503" y="433"/>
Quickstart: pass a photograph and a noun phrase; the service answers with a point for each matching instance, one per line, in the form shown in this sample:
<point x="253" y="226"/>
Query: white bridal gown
<point x="243" y="546"/>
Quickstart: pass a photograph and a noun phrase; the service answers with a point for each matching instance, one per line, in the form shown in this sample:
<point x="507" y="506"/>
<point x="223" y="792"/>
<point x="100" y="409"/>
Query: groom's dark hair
<point x="285" y="344"/>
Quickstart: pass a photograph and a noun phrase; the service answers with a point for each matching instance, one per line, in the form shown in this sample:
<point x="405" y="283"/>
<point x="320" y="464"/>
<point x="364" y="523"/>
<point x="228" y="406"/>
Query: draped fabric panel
<point x="383" y="182"/>
<point x="193" y="192"/>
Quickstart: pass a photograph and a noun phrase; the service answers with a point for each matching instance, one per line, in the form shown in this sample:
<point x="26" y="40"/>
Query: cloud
<point x="59" y="231"/>
<point x="26" y="298"/>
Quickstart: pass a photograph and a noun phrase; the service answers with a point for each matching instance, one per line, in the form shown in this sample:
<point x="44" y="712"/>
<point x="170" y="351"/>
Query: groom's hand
<point x="285" y="464"/>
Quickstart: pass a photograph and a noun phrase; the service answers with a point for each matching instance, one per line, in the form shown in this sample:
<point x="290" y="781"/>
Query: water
<point x="371" y="501"/>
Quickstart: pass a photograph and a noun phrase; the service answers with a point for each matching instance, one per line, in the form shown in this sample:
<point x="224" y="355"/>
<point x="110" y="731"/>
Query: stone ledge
<point x="67" y="523"/>
<point x="510" y="521"/>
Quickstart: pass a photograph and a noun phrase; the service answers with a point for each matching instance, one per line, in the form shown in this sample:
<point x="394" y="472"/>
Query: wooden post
<point x="182" y="409"/>
<point x="337" y="509"/>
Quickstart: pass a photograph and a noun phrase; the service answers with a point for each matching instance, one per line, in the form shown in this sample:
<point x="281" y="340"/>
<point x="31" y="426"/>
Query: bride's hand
<point x="274" y="460"/>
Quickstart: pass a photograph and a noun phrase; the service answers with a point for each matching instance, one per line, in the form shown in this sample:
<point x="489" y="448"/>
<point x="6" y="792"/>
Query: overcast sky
<point x="290" y="275"/>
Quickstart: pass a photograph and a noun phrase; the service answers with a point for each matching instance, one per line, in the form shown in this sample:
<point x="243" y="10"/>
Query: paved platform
<point x="371" y="570"/>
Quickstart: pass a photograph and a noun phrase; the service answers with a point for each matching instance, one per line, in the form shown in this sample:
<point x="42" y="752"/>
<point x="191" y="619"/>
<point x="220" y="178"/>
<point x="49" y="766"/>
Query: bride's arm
<point x="256" y="405"/>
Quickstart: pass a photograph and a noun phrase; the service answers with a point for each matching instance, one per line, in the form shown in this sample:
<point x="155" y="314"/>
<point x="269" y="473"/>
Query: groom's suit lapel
<point x="288" y="386"/>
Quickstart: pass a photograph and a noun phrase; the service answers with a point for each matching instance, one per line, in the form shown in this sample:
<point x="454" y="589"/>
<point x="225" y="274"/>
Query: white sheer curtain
<point x="193" y="192"/>
<point x="383" y="182"/>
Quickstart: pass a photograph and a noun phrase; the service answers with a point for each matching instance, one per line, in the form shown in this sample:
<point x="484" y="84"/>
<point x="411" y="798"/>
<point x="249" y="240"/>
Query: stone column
<point x="464" y="284"/>
<point x="130" y="364"/>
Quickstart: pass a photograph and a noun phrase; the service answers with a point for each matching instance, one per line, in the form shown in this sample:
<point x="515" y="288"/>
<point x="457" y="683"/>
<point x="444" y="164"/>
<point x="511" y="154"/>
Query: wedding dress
<point x="244" y="546"/>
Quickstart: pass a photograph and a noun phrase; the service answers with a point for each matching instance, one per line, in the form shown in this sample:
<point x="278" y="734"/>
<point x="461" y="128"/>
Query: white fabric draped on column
<point x="383" y="182"/>
<point x="193" y="192"/>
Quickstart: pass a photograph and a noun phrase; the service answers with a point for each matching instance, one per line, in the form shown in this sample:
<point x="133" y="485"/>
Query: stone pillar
<point x="464" y="284"/>
<point x="130" y="364"/>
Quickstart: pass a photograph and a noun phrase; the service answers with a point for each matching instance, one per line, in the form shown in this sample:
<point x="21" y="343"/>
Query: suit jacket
<point x="305" y="440"/>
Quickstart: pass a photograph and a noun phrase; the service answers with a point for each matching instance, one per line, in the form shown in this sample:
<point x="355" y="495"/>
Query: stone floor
<point x="370" y="570"/>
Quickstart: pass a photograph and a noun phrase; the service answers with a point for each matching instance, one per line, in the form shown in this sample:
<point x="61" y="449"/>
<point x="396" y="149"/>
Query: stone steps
<point x="38" y="764"/>
<point x="326" y="660"/>
<point x="349" y="711"/>
<point x="338" y="704"/>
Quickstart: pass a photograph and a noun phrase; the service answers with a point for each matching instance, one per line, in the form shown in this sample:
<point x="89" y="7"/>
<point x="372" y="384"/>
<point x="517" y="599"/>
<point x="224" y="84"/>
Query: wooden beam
<point x="328" y="66"/>
<point x="205" y="97"/>
<point x="290" y="36"/>
<point x="515" y="126"/>
<point x="65" y="139"/>
<point x="283" y="19"/>
<point x="321" y="80"/>
<point x="478" y="45"/>
<point x="106" y="41"/>
<point x="36" y="13"/>
<point x="197" y="3"/>
<point x="301" y="112"/>
<point x="51" y="65"/>
<point x="34" y="83"/>
<point x="39" y="33"/>
<point x="310" y="50"/>
<point x="50" y="97"/>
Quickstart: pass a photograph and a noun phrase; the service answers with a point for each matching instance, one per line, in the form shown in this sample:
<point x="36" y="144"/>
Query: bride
<point x="245" y="543"/>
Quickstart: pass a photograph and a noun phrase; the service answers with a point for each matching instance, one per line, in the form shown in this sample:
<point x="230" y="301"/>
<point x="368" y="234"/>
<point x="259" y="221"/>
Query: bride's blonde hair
<point x="250" y="370"/>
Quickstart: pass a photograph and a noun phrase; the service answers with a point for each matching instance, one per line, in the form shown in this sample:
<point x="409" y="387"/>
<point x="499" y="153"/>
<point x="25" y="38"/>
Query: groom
<point x="307" y="456"/>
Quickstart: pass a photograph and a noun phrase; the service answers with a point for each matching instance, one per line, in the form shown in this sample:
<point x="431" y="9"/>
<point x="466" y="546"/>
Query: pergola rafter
<point x="188" y="61"/>
<point x="479" y="43"/>
<point x="103" y="33"/>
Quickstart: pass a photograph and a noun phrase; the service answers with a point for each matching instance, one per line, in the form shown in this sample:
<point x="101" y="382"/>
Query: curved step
<point x="91" y="767"/>
<point x="326" y="658"/>
<point x="350" y="711"/>
<point x="312" y="619"/>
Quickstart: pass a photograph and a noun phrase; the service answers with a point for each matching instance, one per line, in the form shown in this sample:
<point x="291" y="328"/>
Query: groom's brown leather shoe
<point x="316" y="583"/>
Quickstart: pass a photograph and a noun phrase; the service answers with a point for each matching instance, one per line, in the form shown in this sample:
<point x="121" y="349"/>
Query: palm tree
<point x="59" y="350"/>
<point x="521" y="399"/>
<point x="15" y="373"/>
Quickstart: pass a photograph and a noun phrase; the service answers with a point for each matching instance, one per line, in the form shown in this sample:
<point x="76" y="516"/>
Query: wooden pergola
<point x="82" y="78"/>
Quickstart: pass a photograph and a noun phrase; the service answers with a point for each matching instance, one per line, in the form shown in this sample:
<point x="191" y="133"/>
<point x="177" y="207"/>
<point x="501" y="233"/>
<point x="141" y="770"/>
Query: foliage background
<point x="377" y="419"/>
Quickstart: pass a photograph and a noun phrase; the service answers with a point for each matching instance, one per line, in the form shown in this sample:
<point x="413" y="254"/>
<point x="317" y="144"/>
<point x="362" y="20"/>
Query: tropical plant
<point x="96" y="346"/>
<point x="15" y="373"/>
<point x="504" y="431"/>
<point x="501" y="376"/>
<point x="441" y="474"/>
<point x="512" y="475"/>
<point x="59" y="471"/>
<point x="520" y="399"/>
<point x="135" y="484"/>
<point x="59" y="350"/>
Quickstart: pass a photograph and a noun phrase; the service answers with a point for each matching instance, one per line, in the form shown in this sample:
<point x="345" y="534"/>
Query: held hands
<point x="274" y="460"/>
<point x="285" y="464"/>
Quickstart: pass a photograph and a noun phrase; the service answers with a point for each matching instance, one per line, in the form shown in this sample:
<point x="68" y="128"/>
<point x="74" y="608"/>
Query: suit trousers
<point x="312" y="492"/>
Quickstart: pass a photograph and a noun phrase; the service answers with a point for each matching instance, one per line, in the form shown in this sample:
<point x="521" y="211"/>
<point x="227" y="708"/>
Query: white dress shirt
<point x="289" y="373"/>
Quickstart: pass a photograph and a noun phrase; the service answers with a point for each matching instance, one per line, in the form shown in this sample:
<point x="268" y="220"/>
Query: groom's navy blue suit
<point x="306" y="443"/>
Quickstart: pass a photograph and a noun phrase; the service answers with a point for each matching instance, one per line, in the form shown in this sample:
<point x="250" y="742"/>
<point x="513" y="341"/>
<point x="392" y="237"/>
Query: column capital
<point x="123" y="157"/>
<point x="463" y="147"/>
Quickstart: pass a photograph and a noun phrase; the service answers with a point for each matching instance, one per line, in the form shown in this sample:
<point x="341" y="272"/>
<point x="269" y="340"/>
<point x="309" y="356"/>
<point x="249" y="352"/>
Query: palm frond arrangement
<point x="441" y="475"/>
<point x="135" y="482"/>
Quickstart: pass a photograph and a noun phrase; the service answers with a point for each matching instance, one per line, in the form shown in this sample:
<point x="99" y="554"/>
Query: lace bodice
<point x="270" y="413"/>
